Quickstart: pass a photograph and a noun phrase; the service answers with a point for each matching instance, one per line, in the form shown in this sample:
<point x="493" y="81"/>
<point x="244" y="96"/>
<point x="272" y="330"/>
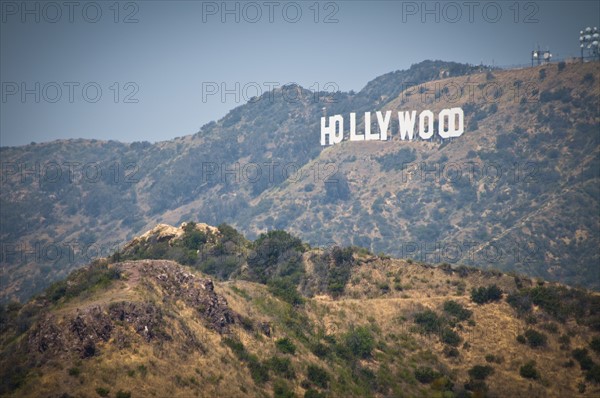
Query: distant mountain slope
<point x="91" y="196"/>
<point x="291" y="321"/>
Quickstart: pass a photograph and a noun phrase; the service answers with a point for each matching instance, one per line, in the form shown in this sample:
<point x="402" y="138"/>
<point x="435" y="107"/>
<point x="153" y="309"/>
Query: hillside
<point x="275" y="317"/>
<point x="64" y="203"/>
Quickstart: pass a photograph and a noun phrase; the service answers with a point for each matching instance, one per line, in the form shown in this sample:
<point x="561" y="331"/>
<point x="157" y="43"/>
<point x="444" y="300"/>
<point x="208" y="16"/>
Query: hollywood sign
<point x="450" y="124"/>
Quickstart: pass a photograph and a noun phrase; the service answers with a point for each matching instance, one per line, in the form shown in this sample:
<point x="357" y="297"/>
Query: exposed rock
<point x="168" y="233"/>
<point x="265" y="327"/>
<point x="196" y="292"/>
<point x="146" y="318"/>
<point x="83" y="331"/>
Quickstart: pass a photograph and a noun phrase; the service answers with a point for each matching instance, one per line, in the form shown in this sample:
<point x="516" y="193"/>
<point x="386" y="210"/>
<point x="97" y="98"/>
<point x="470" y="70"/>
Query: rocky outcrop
<point x="198" y="293"/>
<point x="167" y="233"/>
<point x="82" y="331"/>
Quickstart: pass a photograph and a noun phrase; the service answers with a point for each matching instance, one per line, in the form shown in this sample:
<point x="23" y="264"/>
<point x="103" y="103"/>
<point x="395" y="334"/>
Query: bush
<point x="429" y="321"/>
<point x="561" y="66"/>
<point x="450" y="337"/>
<point x="535" y="339"/>
<point x="317" y="375"/>
<point x="74" y="371"/>
<point x="585" y="361"/>
<point x="258" y="371"/>
<point x="360" y="342"/>
<point x="480" y="372"/>
<point x="484" y="295"/>
<point x="286" y="290"/>
<point x="456" y="310"/>
<point x="312" y="393"/>
<point x="529" y="371"/>
<point x="521" y="339"/>
<point x="425" y="374"/>
<point x="102" y="391"/>
<point x="282" y="367"/>
<point x="320" y="350"/>
<point x="595" y="344"/>
<point x="593" y="374"/>
<point x="478" y="387"/>
<point x="281" y="390"/>
<point x="286" y="346"/>
<point x="193" y="239"/>
<point x="275" y="248"/>
<point x="123" y="394"/>
<point x="520" y="302"/>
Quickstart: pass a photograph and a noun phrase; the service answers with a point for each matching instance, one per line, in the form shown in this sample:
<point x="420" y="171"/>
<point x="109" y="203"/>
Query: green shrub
<point x="425" y="374"/>
<point x="477" y="386"/>
<point x="451" y="352"/>
<point x="535" y="339"/>
<point x="282" y="390"/>
<point x="193" y="239"/>
<point x="450" y="337"/>
<point x="286" y="290"/>
<point x="312" y="393"/>
<point x="456" y="310"/>
<point x="123" y="394"/>
<point x="258" y="371"/>
<point x="74" y="371"/>
<point x="285" y="346"/>
<point x="360" y="342"/>
<point x="521" y="339"/>
<point x="237" y="347"/>
<point x="595" y="344"/>
<point x="318" y="376"/>
<point x="585" y="361"/>
<point x="429" y="321"/>
<point x="102" y="391"/>
<point x="487" y="294"/>
<point x="319" y="349"/>
<point x="593" y="374"/>
<point x="282" y="367"/>
<point x="550" y="327"/>
<point x="529" y="371"/>
<point x="480" y="372"/>
<point x="273" y="251"/>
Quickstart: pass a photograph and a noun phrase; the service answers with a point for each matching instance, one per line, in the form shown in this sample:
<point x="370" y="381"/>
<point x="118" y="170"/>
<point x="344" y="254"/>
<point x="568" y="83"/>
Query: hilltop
<point x="198" y="310"/>
<point x="517" y="192"/>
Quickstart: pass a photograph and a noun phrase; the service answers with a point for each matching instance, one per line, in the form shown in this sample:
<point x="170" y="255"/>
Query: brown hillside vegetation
<point x="125" y="327"/>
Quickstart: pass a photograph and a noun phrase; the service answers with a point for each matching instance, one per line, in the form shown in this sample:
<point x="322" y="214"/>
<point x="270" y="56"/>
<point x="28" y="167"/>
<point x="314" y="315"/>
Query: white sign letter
<point x="450" y="115"/>
<point x="406" y="124"/>
<point x="384" y="123"/>
<point x="353" y="135"/>
<point x="333" y="133"/>
<point x="429" y="115"/>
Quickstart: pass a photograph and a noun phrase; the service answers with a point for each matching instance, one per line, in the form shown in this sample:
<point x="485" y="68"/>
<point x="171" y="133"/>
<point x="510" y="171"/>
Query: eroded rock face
<point x="90" y="326"/>
<point x="196" y="292"/>
<point x="84" y="330"/>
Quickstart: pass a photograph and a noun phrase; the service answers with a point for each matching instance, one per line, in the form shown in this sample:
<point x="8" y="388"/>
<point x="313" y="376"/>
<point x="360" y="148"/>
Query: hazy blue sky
<point x="171" y="49"/>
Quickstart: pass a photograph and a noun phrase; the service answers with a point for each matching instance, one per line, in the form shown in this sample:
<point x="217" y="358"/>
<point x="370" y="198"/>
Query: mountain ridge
<point x="143" y="184"/>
